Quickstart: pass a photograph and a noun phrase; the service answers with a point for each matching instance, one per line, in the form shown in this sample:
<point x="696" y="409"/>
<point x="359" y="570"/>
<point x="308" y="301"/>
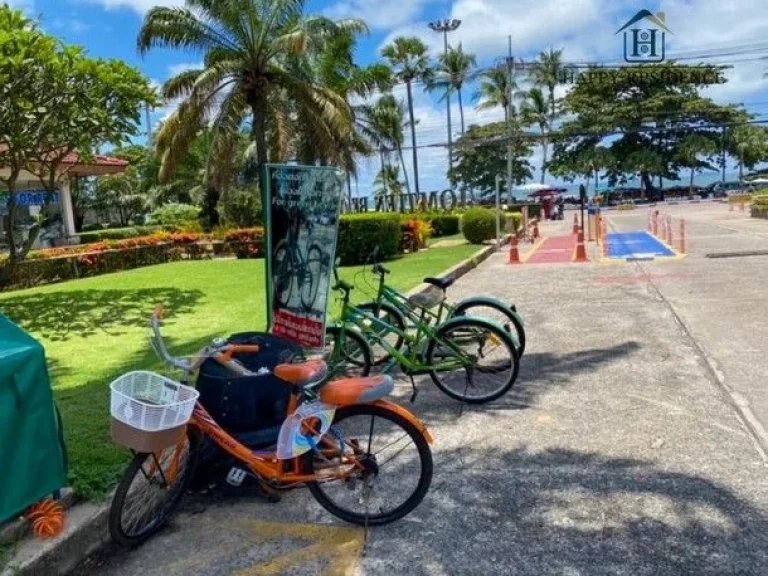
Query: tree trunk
<point x="349" y="188"/>
<point x="461" y="110"/>
<point x="383" y="172"/>
<point x="413" y="140"/>
<point x="405" y="172"/>
<point x="545" y="151"/>
<point x="690" y="186"/>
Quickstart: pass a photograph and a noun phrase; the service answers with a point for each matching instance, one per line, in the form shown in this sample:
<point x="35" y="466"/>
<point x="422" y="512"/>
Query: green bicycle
<point x="470" y="359"/>
<point x="397" y="309"/>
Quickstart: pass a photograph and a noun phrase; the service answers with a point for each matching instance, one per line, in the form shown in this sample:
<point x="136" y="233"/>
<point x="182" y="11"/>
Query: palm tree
<point x="255" y="56"/>
<point x="382" y="123"/>
<point x="410" y="60"/>
<point x="534" y="111"/>
<point x="388" y="182"/>
<point x="453" y="71"/>
<point x="547" y="72"/>
<point x="495" y="88"/>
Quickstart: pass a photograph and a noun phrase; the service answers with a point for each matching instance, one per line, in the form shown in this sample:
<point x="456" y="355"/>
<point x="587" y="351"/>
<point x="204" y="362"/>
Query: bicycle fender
<point x="397" y="409"/>
<point x="489" y="301"/>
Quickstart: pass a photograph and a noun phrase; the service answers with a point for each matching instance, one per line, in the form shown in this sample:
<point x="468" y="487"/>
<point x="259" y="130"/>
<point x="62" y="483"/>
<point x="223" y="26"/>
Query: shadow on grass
<point x="59" y="316"/>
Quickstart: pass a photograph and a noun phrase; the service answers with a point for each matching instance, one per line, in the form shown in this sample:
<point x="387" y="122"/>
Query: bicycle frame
<point x="424" y="332"/>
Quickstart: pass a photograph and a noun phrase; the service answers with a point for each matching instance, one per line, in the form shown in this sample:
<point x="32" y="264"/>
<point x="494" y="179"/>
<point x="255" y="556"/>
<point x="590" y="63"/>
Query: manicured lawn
<point x="95" y="329"/>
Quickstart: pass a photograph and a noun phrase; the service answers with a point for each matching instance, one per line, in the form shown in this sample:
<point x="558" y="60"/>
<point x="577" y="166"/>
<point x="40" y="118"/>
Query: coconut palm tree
<point x="453" y="71"/>
<point x="255" y="63"/>
<point x="495" y="88"/>
<point x="534" y="111"/>
<point x="387" y="181"/>
<point x="382" y="123"/>
<point x="410" y="60"/>
<point x="547" y="72"/>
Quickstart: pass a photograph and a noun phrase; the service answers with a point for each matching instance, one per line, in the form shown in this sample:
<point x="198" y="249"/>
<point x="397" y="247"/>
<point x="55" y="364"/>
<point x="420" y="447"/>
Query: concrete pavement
<point x="618" y="452"/>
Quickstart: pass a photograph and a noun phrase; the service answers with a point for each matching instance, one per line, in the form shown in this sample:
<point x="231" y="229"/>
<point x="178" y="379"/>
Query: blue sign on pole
<point x="30" y="198"/>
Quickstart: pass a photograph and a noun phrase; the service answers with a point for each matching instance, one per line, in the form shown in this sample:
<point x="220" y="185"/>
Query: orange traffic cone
<point x="514" y="255"/>
<point x="575" y="224"/>
<point x="581" y="252"/>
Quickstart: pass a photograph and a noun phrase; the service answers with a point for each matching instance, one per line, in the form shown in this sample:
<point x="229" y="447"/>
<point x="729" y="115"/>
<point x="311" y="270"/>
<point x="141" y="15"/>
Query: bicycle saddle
<point x="427" y="299"/>
<point x="302" y="373"/>
<point x="442" y="283"/>
<point x="356" y="390"/>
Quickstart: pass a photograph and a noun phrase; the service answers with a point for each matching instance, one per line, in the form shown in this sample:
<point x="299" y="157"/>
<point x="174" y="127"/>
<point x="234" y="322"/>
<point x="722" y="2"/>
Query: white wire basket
<point x="150" y="402"/>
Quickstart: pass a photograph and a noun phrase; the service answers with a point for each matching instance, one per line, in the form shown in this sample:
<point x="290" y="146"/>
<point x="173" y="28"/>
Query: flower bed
<point x="82" y="261"/>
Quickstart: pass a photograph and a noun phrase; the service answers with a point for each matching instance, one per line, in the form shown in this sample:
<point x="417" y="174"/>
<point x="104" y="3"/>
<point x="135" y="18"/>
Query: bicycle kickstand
<point x="415" y="390"/>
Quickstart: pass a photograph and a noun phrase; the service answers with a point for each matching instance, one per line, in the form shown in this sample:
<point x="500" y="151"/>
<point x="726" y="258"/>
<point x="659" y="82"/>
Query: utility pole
<point x="509" y="120"/>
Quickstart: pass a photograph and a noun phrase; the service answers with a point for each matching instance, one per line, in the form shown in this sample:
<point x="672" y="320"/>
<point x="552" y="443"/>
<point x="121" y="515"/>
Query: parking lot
<point x="633" y="441"/>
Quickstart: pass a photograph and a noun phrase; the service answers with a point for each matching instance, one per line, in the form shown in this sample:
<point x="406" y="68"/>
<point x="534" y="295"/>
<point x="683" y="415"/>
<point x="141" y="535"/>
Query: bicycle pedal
<point x="235" y="476"/>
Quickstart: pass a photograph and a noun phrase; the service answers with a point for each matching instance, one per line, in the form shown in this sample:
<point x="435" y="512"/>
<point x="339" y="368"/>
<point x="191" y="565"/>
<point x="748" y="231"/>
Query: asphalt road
<point x="620" y="450"/>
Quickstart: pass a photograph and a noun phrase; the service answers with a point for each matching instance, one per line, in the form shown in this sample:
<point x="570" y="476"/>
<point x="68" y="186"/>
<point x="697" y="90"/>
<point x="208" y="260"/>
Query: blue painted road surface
<point x="636" y="245"/>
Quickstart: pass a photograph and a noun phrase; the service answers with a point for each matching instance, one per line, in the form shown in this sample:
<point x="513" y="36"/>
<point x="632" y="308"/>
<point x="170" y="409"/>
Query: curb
<point x="460" y="269"/>
<point x="86" y="529"/>
<point x="85" y="532"/>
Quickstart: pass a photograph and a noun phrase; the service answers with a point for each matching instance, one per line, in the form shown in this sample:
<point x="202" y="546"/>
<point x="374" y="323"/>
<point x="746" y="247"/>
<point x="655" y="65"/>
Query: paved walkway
<point x="618" y="451"/>
<point x="554" y="250"/>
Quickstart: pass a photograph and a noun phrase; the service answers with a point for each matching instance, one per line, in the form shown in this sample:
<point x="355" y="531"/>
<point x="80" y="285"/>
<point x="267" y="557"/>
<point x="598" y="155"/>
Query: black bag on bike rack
<point x="248" y="404"/>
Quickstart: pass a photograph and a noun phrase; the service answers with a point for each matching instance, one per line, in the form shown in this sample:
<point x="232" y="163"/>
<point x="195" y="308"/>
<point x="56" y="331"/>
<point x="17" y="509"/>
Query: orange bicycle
<point x="364" y="459"/>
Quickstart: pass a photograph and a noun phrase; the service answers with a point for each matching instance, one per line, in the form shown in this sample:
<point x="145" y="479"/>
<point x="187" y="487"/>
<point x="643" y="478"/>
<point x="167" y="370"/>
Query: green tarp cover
<point x="32" y="454"/>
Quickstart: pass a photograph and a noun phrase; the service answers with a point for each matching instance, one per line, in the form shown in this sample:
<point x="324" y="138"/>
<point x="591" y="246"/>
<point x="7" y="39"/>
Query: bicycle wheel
<point x="396" y="466"/>
<point x="284" y="271"/>
<point x="348" y="355"/>
<point x="477" y="361"/>
<point x="497" y="312"/>
<point x="310" y="282"/>
<point x="391" y="315"/>
<point x="150" y="490"/>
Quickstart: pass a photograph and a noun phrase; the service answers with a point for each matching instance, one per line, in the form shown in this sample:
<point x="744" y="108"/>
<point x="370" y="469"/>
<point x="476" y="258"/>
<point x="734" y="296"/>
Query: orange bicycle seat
<point x="356" y="390"/>
<point x="303" y="373"/>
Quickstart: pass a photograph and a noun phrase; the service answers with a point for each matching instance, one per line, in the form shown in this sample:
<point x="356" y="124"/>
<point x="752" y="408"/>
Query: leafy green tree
<point x="646" y="111"/>
<point x="749" y="145"/>
<point x="481" y="155"/>
<point x="410" y="60"/>
<point x="256" y="63"/>
<point x="454" y="69"/>
<point x="692" y="147"/>
<point x="534" y="111"/>
<point x="54" y="102"/>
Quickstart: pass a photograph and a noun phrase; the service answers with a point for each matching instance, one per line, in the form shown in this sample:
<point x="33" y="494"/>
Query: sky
<point x="584" y="29"/>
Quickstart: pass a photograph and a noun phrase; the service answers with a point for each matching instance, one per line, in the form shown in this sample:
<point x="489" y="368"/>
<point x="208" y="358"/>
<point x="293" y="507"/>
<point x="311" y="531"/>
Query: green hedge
<point x="443" y="224"/>
<point x="359" y="234"/>
<point x="116" y="233"/>
<point x="479" y="224"/>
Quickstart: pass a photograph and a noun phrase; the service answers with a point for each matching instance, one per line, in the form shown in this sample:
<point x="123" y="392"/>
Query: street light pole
<point x="510" y="68"/>
<point x="446" y="26"/>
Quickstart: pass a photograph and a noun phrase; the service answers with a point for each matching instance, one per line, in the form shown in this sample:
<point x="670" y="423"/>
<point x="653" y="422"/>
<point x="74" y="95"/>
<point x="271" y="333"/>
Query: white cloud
<point x="378" y="14"/>
<point x="140" y="6"/>
<point x="175" y="69"/>
<point x="73" y="25"/>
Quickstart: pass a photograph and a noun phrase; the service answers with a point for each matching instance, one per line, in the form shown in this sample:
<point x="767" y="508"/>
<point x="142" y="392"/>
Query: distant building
<point x="60" y="222"/>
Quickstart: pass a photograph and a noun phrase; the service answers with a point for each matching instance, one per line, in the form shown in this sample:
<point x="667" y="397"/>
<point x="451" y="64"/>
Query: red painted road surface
<point x="554" y="250"/>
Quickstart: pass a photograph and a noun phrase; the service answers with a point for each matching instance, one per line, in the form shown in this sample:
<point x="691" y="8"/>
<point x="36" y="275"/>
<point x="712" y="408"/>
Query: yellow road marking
<point x="533" y="250"/>
<point x="341" y="546"/>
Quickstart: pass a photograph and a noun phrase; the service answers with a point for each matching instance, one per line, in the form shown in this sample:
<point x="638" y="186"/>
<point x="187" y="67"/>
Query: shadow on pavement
<point x="568" y="512"/>
<point x="59" y="316"/>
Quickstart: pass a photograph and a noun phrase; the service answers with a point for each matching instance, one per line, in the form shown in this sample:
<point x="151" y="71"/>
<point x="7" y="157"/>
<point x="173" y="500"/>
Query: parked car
<point x="723" y="189"/>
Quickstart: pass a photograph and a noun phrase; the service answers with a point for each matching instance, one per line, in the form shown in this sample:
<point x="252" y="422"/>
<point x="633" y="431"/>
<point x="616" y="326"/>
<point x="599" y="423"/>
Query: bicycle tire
<point x="415" y="498"/>
<point x="379" y="354"/>
<point x="461" y="310"/>
<point x="285" y="274"/>
<point x="116" y="528"/>
<point x="339" y="365"/>
<point x="502" y="335"/>
<point x="309" y="300"/>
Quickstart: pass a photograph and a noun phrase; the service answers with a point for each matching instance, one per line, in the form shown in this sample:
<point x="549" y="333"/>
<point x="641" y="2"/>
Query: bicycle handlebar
<point x="159" y="344"/>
